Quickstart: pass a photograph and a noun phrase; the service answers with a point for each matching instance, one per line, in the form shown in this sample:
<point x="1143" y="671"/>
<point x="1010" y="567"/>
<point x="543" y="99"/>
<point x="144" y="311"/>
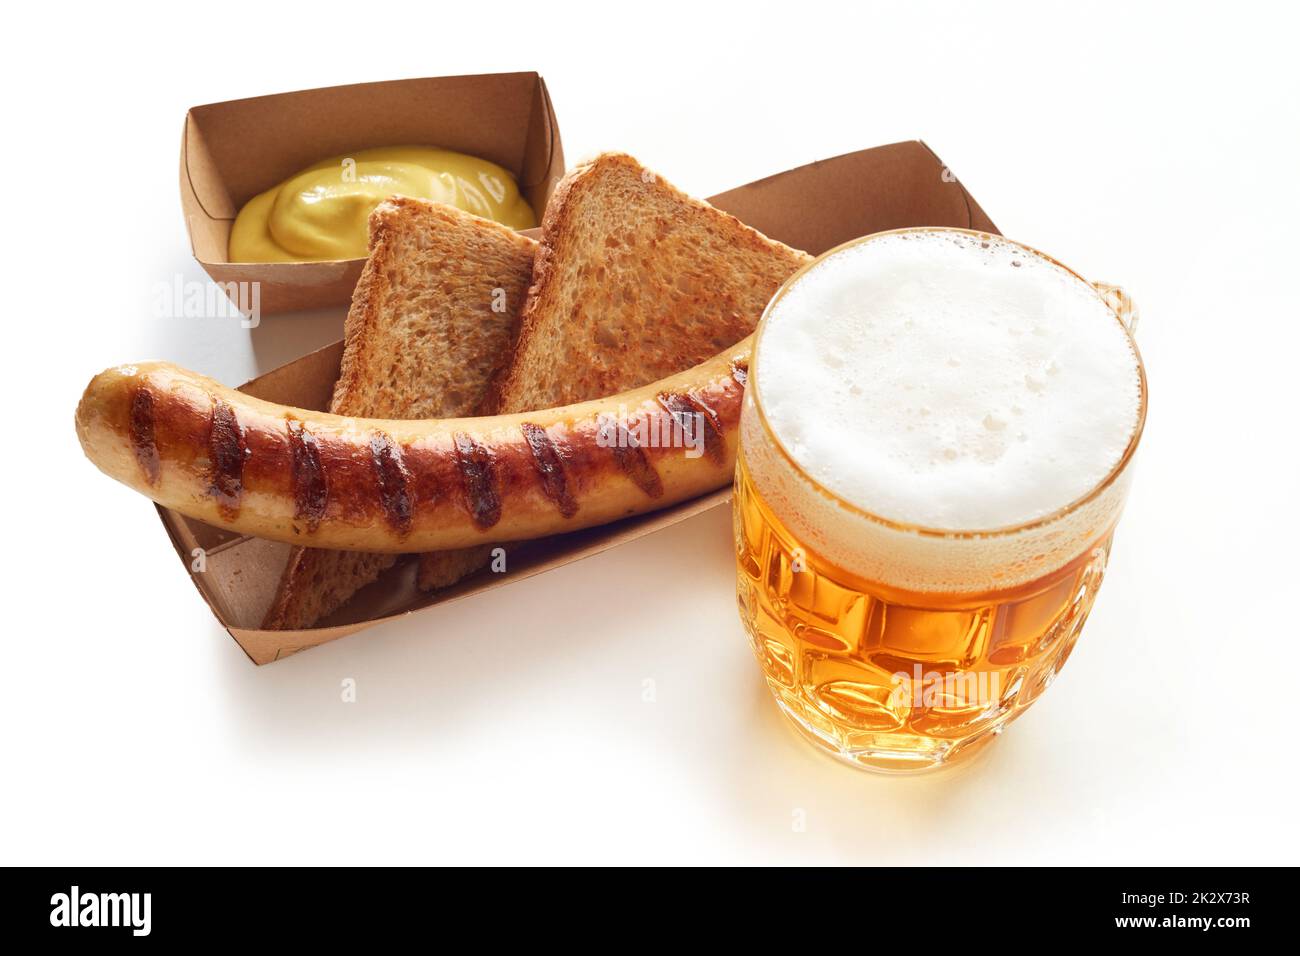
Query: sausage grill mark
<point x="550" y="468"/>
<point x="343" y="485"/>
<point x="142" y="438"/>
<point x="697" y="421"/>
<point x="310" y="492"/>
<point x="393" y="480"/>
<point x="226" y="457"/>
<point x="478" y="480"/>
<point x="632" y="461"/>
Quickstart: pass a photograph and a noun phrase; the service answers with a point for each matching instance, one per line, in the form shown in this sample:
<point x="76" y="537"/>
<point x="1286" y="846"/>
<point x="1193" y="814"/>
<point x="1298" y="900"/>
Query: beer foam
<point x="942" y="380"/>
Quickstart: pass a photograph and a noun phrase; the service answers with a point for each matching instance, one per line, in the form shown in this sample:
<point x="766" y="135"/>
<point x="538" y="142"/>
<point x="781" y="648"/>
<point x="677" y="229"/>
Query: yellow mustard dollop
<point x="321" y="213"/>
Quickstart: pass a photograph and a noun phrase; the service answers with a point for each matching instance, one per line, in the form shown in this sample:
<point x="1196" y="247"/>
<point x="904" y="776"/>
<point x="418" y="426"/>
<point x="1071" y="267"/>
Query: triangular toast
<point x="432" y="320"/>
<point x="633" y="281"/>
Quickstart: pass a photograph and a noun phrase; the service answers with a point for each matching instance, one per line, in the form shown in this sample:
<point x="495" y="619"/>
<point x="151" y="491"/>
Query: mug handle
<point x="1121" y="303"/>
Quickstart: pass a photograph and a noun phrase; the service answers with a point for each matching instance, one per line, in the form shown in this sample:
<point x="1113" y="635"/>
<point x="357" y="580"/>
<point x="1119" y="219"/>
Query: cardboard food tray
<point x="232" y="151"/>
<point x="814" y="208"/>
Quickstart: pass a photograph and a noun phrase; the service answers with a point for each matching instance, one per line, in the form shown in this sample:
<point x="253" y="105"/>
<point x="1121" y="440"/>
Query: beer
<point x="934" y="452"/>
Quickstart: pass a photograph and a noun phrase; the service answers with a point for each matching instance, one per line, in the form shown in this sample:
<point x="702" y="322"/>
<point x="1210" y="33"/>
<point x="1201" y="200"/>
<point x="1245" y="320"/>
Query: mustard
<point x="320" y="213"/>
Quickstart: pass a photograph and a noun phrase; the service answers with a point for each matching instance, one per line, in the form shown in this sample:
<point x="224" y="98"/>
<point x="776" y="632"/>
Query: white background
<point x="1157" y="149"/>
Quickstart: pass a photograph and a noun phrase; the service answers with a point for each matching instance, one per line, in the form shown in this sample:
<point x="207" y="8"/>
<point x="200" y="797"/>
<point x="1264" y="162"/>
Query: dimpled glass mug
<point x="936" y="443"/>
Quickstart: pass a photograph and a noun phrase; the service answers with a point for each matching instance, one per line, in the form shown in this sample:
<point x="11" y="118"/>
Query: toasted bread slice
<point x="432" y="320"/>
<point x="633" y="281"/>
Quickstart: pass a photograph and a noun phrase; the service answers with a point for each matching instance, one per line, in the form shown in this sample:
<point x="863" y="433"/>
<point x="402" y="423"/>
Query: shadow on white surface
<point x="463" y="685"/>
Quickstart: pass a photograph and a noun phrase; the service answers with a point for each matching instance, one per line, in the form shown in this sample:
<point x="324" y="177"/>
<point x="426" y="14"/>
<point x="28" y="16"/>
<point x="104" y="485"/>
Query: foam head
<point x="947" y="380"/>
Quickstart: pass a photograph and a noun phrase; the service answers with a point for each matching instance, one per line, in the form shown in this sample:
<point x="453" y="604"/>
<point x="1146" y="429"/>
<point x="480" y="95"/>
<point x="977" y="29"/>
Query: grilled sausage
<point x="326" y="481"/>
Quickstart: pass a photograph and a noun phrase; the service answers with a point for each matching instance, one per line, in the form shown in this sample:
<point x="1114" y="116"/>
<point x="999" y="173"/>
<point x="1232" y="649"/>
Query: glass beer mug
<point x="936" y="443"/>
